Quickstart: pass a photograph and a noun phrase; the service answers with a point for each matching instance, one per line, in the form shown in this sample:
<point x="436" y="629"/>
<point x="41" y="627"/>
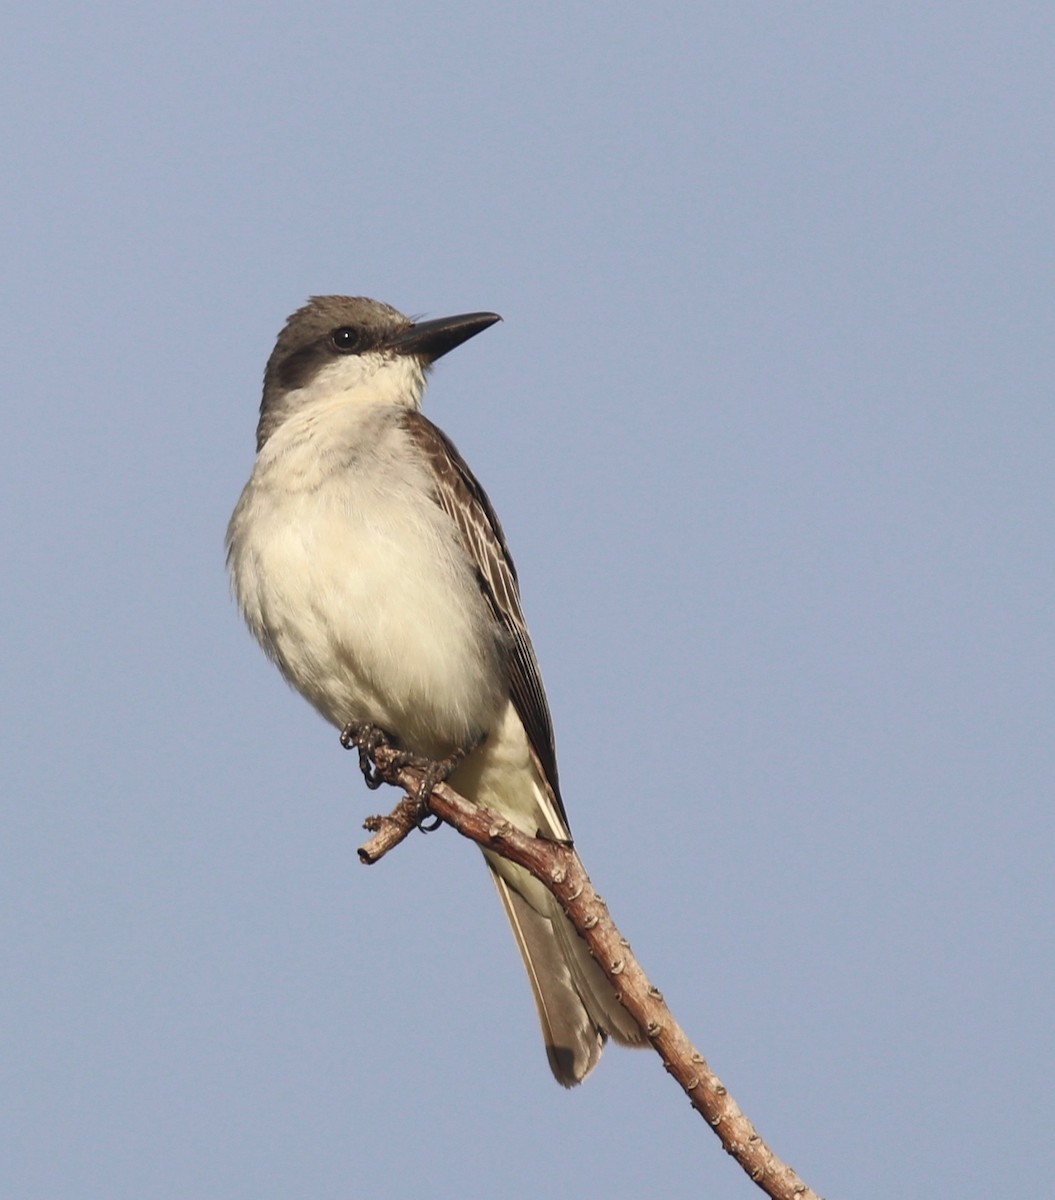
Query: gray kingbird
<point x="370" y="566"/>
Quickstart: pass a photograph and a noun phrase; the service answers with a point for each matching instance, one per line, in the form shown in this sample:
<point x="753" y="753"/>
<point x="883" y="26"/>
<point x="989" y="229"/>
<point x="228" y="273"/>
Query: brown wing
<point x="460" y="495"/>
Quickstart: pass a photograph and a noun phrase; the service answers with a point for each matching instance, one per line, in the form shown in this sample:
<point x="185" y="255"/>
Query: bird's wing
<point x="460" y="495"/>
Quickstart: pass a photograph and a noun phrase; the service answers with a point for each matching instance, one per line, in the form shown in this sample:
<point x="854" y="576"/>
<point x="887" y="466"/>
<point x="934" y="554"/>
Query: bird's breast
<point x="356" y="583"/>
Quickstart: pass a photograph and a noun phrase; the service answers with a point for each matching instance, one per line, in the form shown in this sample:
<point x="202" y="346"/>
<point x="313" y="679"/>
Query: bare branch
<point x="389" y="831"/>
<point x="561" y="870"/>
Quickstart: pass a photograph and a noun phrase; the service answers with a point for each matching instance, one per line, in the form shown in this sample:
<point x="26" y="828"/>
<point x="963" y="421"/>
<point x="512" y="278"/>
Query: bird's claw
<point x="367" y="739"/>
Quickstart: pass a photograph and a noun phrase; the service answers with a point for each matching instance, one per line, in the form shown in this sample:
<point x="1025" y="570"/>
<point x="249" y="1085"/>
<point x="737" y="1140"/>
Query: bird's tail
<point x="576" y="1005"/>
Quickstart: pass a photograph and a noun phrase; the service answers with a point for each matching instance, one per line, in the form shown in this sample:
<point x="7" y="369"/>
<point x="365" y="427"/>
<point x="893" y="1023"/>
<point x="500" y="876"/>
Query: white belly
<point x="357" y="586"/>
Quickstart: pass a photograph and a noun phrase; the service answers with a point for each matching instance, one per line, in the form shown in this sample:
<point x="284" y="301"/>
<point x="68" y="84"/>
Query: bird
<point x="371" y="567"/>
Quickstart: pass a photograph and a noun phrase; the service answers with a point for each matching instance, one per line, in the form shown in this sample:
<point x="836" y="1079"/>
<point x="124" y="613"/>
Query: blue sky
<point x="769" y="425"/>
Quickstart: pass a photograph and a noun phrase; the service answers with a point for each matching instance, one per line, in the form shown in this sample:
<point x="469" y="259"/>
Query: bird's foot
<point x="433" y="771"/>
<point x="439" y="770"/>
<point x="367" y="739"/>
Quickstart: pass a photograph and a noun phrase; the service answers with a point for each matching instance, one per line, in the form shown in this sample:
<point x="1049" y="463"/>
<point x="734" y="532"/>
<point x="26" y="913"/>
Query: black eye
<point x="347" y="340"/>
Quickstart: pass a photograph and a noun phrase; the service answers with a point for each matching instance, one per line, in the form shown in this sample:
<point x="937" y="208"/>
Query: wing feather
<point x="459" y="494"/>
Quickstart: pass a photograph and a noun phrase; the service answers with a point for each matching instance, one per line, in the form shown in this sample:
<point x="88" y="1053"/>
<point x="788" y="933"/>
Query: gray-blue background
<point x="769" y="424"/>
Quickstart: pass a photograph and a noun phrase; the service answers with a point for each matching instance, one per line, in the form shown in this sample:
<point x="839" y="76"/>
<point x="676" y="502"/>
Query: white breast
<point x="354" y="581"/>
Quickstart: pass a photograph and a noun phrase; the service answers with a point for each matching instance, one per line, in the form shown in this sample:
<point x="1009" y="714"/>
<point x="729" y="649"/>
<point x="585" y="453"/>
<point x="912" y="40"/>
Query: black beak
<point x="430" y="340"/>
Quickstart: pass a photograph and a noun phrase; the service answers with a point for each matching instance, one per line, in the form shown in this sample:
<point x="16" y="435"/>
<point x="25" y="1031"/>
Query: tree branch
<point x="561" y="870"/>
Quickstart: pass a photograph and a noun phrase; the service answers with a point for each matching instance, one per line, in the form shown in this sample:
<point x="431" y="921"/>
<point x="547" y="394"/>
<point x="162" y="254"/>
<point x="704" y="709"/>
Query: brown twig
<point x="389" y="830"/>
<point x="561" y="870"/>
